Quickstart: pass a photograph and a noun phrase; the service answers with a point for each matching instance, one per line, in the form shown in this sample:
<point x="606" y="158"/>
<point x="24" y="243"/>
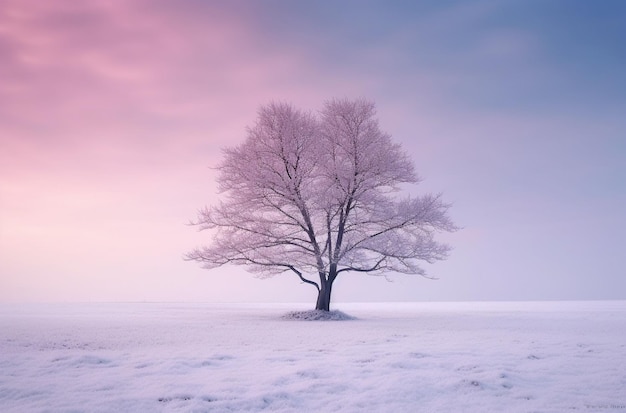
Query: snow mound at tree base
<point x="318" y="315"/>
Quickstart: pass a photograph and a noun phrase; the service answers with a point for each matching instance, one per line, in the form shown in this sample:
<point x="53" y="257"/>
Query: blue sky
<point x="112" y="114"/>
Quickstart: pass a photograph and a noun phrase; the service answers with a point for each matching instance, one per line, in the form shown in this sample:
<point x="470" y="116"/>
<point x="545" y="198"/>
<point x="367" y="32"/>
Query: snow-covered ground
<point x="426" y="357"/>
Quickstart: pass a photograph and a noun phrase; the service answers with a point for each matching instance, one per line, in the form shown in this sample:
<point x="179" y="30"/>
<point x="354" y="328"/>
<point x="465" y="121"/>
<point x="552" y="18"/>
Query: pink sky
<point x="111" y="114"/>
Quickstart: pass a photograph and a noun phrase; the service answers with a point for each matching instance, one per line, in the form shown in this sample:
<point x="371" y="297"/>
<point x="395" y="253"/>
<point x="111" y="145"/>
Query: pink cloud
<point x="79" y="63"/>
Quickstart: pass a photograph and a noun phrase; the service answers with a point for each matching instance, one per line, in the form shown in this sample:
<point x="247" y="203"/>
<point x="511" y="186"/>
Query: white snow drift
<point x="471" y="357"/>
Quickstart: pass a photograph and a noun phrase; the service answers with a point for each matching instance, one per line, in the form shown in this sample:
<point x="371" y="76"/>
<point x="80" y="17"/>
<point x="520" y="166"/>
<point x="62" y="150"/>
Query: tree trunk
<point x="323" y="297"/>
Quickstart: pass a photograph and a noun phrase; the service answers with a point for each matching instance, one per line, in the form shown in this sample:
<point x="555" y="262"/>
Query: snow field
<point x="423" y="357"/>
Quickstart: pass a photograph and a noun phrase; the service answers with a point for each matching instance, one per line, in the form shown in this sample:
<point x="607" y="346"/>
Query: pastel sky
<point x="113" y="112"/>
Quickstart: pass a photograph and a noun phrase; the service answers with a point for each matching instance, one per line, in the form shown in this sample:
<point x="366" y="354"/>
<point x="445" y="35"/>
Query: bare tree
<point x="318" y="196"/>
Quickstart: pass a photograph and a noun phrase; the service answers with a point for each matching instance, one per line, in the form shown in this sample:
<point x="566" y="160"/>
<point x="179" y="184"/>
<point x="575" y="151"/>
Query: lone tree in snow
<point x="317" y="196"/>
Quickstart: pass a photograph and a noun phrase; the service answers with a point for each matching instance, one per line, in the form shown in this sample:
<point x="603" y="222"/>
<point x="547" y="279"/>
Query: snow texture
<point x="427" y="357"/>
<point x="318" y="315"/>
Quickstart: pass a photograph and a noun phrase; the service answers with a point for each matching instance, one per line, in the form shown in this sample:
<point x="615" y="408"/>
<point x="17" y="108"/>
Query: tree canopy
<point x="319" y="195"/>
